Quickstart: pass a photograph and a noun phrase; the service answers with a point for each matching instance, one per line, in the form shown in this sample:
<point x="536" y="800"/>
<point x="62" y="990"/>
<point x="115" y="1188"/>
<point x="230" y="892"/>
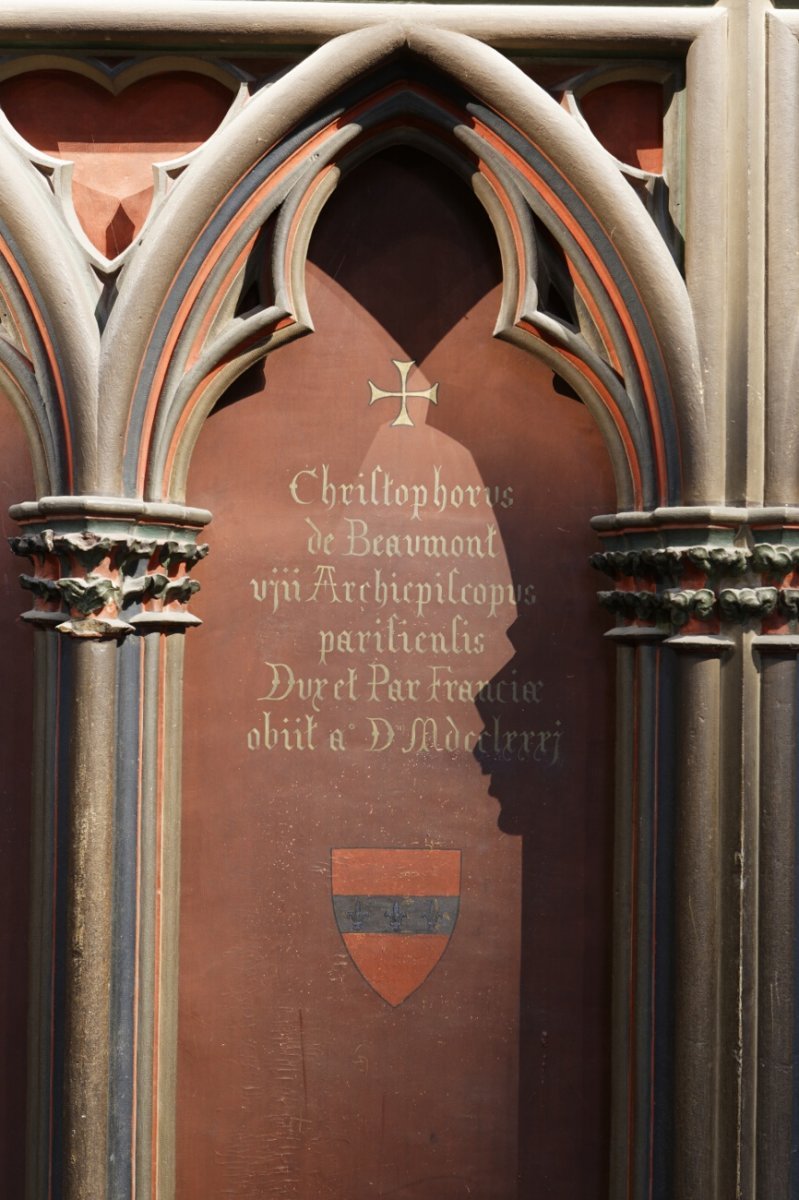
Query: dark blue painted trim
<point x="52" y="435"/>
<point x="62" y="828"/>
<point x="794" y="1167"/>
<point x="663" y="1131"/>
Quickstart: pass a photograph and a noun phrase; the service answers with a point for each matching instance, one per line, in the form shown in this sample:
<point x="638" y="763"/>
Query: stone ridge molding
<point x="226" y="22"/>
<point x="106" y="575"/>
<point x="688" y="585"/>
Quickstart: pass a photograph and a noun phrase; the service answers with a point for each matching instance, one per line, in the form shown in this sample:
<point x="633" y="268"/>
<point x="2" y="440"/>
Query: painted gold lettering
<point x="296" y="734"/>
<point x="383" y="686"/>
<point x="294" y="485"/>
<point x="318" y="542"/>
<point x="382" y="734"/>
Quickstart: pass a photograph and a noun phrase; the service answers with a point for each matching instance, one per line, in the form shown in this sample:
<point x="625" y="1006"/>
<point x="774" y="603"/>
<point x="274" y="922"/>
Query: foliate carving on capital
<point x="789" y="602"/>
<point x="683" y="604"/>
<point x="91" y="584"/>
<point x="675" y="606"/>
<point x="669" y="562"/>
<point x="775" y="560"/>
<point x="639" y="606"/>
<point x="669" y="587"/>
<point x="743" y="604"/>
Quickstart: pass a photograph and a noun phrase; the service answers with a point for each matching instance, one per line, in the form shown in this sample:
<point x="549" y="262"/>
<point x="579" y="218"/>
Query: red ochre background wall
<point x="294" y="1077"/>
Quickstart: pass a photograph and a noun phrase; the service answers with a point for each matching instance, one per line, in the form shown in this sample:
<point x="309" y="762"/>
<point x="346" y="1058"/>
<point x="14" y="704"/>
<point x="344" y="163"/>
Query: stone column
<point x="777" y="926"/>
<point x="110" y="586"/>
<point x="639" y="686"/>
<point x="676" y="979"/>
<point x="775" y="857"/>
<point x="704" y="971"/>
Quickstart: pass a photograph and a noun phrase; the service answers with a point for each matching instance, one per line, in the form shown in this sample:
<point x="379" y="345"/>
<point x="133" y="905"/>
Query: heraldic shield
<point x="396" y="910"/>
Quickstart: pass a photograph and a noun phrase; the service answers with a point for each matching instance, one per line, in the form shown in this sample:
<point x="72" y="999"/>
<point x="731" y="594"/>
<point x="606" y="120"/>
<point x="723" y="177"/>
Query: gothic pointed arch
<point x="182" y="330"/>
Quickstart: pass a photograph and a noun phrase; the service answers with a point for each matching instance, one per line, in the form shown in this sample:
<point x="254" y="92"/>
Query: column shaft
<point x="90" y="890"/>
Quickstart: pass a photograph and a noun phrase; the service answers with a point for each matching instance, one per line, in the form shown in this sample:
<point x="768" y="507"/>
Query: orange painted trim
<point x="516" y="233"/>
<point x="158" y="880"/>
<point x="506" y="152"/>
<point x="302" y="207"/>
<point x="137" y="950"/>
<point x="196" y="347"/>
<point x="199" y="281"/>
<point x="619" y="423"/>
<point x="586" y="245"/>
<point x="198" y="393"/>
<point x="51" y="358"/>
<point x="604" y="277"/>
<point x="318" y="139"/>
<point x="596" y="316"/>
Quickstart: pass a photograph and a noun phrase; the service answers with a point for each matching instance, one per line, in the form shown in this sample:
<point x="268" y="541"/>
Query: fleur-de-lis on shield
<point x="433" y="915"/>
<point x="358" y="916"/>
<point x="395" y="916"/>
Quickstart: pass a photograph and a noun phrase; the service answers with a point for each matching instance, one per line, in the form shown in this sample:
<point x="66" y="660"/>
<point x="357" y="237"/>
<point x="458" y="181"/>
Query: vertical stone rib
<point x="149" y="890"/>
<point x="644" y="832"/>
<point x="698" y="928"/>
<point x="775" y="1020"/>
<point x="40" y="951"/>
<point x="621" y="1132"/>
<point x="90" y="889"/>
<point x="172" y="651"/>
<point x="633" y="1046"/>
<point x="782" y="430"/>
<point x="706" y="230"/>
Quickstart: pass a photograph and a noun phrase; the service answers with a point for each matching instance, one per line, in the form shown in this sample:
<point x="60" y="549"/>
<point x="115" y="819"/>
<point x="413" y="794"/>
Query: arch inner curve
<point x="610" y="355"/>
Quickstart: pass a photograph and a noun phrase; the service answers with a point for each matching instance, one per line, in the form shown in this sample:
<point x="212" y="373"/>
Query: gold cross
<point x="403" y="416"/>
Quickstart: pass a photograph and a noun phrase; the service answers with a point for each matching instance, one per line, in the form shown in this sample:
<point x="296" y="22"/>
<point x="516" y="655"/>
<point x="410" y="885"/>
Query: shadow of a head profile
<point x="520" y="744"/>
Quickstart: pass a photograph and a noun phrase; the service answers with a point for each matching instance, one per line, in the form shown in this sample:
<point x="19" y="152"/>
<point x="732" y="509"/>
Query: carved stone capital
<point x="109" y="569"/>
<point x="639" y="606"/>
<point x="701" y="585"/>
<point x="670" y="563"/>
<point x="673" y="607"/>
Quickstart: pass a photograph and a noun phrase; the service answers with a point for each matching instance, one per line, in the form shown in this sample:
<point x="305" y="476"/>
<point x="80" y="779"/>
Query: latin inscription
<point x="402" y="587"/>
